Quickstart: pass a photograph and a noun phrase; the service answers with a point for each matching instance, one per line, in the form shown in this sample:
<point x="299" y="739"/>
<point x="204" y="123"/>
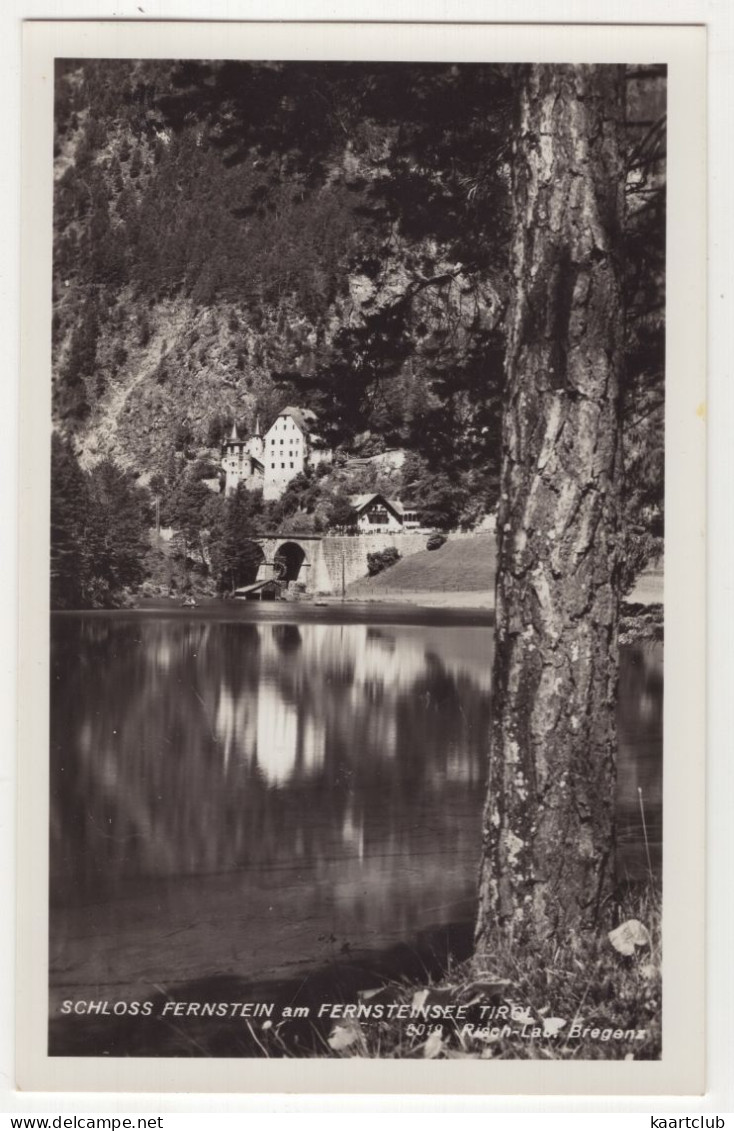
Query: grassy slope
<point x="461" y="565"/>
<point x="469" y="565"/>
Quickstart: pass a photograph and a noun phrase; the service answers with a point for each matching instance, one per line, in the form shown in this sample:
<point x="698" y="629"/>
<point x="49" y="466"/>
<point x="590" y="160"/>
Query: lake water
<point x="254" y="791"/>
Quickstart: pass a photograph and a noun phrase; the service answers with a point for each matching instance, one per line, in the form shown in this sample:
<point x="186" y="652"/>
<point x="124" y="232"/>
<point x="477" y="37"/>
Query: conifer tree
<point x="548" y="861"/>
<point x="238" y="555"/>
<point x="69" y="522"/>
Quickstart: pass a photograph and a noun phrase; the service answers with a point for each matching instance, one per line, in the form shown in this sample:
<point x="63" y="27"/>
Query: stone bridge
<point x="323" y="563"/>
<point x="288" y="557"/>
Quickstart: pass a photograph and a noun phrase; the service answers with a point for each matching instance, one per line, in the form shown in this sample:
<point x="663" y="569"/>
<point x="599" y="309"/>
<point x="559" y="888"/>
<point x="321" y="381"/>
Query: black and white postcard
<point x="362" y="558"/>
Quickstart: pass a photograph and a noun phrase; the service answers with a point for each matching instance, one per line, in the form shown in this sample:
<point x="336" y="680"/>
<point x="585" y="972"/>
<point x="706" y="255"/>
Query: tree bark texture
<point x="548" y="850"/>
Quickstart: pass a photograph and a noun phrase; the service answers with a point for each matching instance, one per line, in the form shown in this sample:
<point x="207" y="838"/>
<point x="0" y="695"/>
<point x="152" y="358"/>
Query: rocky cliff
<point x="191" y="290"/>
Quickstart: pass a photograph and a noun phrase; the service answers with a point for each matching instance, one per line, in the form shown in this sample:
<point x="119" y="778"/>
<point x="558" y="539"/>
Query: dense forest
<point x="233" y="237"/>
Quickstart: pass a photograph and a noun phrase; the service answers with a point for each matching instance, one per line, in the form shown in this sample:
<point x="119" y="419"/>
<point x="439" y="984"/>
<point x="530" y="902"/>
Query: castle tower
<point x="232" y="452"/>
<point x="241" y="460"/>
<point x="256" y="443"/>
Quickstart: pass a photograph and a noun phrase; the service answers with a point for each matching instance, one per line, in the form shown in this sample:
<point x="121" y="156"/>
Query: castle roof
<point x="234" y="437"/>
<point x="303" y="417"/>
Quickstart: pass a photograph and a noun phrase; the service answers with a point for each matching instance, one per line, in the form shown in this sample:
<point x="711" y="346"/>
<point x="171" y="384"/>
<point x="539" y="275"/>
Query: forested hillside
<point x="230" y="238"/>
<point x="192" y="288"/>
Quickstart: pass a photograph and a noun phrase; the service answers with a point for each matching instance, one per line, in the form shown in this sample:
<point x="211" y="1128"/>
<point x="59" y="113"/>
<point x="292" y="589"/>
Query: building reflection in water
<point x="332" y="773"/>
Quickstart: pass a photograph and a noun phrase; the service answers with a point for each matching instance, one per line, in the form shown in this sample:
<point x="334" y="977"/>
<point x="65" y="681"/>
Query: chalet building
<point x="411" y="518"/>
<point x="270" y="461"/>
<point x="374" y="513"/>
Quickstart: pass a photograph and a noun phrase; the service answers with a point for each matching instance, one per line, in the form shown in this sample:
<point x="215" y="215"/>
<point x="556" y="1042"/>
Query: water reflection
<point x="229" y="793"/>
<point x="640" y="779"/>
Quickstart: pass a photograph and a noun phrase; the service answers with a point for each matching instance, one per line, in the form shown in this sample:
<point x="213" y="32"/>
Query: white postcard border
<point x="683" y="48"/>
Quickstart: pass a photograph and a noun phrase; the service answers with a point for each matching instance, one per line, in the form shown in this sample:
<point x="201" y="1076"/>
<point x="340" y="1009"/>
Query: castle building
<point x="242" y="460"/>
<point x="289" y="447"/>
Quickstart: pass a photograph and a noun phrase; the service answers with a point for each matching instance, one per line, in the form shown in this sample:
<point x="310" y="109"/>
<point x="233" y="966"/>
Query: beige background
<point x="681" y="1070"/>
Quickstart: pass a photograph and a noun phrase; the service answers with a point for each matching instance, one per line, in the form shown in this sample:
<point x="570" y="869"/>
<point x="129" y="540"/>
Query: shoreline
<point x="647" y="592"/>
<point x="424" y="598"/>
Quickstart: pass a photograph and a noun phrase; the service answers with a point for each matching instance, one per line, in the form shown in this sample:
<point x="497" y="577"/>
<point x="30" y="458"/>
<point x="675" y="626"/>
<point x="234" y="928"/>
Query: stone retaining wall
<point x="352" y="550"/>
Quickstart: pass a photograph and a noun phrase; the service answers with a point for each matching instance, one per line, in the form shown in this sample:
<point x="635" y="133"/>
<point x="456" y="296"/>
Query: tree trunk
<point x="548" y="852"/>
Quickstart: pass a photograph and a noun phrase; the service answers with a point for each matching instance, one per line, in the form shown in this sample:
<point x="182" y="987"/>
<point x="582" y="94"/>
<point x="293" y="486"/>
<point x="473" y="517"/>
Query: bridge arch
<point x="291" y="562"/>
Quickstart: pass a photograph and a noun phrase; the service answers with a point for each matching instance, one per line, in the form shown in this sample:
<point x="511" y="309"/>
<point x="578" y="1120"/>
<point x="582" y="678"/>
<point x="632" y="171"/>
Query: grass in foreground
<point x="585" y="1000"/>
